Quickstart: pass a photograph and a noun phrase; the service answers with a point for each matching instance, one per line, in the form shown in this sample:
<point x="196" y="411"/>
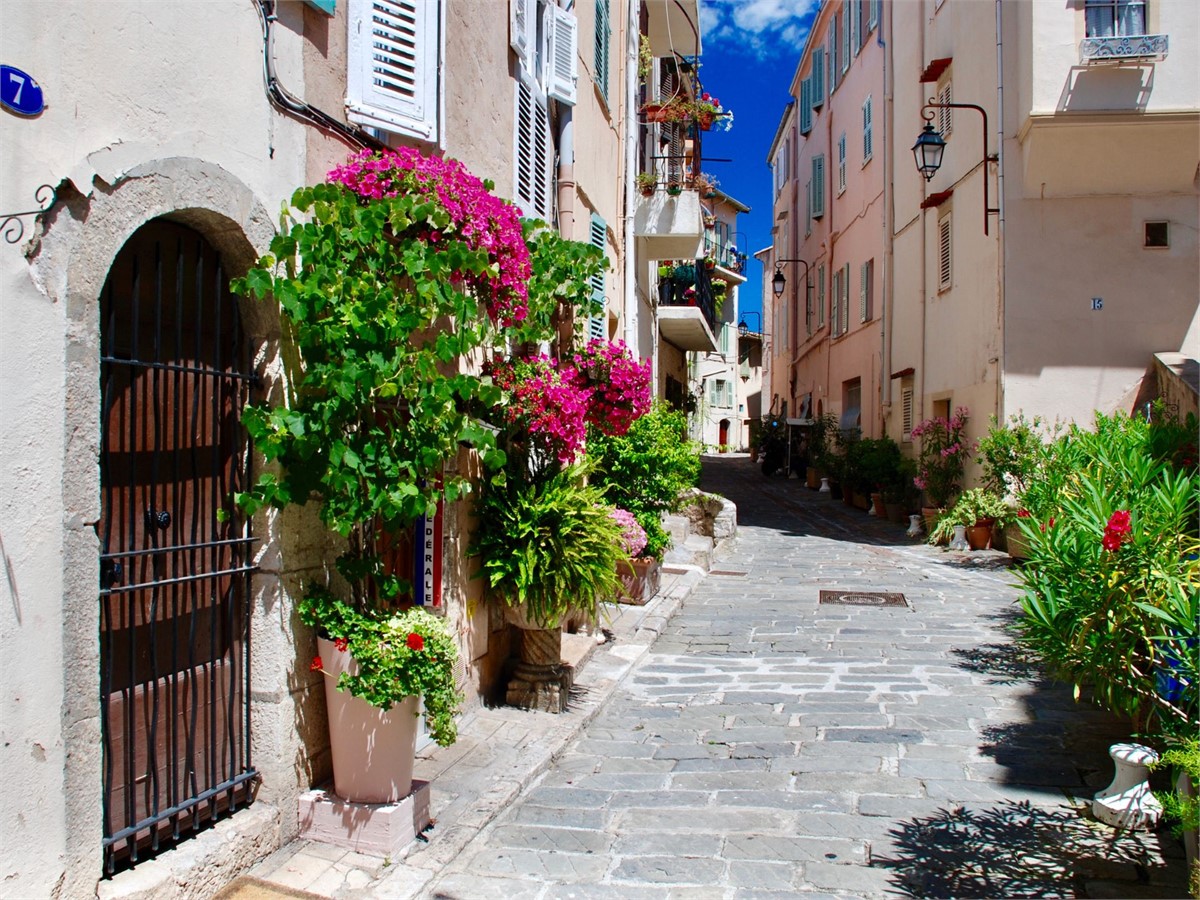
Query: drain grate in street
<point x="862" y="598"/>
<point x="730" y="573"/>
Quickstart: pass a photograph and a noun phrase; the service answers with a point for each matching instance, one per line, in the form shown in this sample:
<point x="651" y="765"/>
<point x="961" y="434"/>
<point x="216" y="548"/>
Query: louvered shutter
<point x="522" y="31"/>
<point x="603" y="42"/>
<point x="874" y="14"/>
<point x="945" y="115"/>
<point x="818" y="77"/>
<point x="842" y="162"/>
<point x="835" y="70"/>
<point x="564" y="56"/>
<point x="532" y="179"/>
<point x="846" y="299"/>
<point x="821" y="296"/>
<point x="597" y="322"/>
<point x="944" y="272"/>
<point x="844" y="51"/>
<point x="392" y="66"/>
<point x="852" y="13"/>
<point x="864" y="299"/>
<point x="906" y="414"/>
<point x="808" y="208"/>
<point x="806" y="106"/>
<point x="818" y="186"/>
<point x="868" y="136"/>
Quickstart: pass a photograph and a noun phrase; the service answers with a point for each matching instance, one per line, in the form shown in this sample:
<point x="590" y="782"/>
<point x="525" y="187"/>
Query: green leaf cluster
<point x="389" y="669"/>
<point x="646" y="469"/>
<point x="563" y="274"/>
<point x="549" y="545"/>
<point x="1118" y="621"/>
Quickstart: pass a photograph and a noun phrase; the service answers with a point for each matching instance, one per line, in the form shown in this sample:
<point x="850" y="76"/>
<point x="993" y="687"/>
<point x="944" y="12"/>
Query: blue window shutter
<point x="326" y="6"/>
<point x="597" y="324"/>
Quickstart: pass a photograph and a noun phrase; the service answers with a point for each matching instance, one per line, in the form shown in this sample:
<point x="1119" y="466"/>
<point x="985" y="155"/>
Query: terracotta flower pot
<point x="979" y="535"/>
<point x="372" y="750"/>
<point x="639" y="579"/>
<point x="812" y="478"/>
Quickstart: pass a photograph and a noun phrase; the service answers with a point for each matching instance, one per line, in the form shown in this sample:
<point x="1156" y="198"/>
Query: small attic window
<point x="1158" y="234"/>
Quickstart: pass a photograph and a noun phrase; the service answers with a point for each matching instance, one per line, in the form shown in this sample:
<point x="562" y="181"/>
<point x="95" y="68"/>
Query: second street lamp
<point x="930" y="146"/>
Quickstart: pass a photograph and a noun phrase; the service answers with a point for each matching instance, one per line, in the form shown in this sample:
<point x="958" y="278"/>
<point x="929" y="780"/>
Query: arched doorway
<point x="723" y="434"/>
<point x="175" y="556"/>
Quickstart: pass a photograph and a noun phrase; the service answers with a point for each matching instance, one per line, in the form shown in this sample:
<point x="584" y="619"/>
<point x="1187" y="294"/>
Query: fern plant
<point x="549" y="546"/>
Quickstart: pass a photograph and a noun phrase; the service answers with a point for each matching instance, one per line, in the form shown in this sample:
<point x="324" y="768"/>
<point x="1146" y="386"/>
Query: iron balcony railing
<point x="1138" y="46"/>
<point x="685" y="288"/>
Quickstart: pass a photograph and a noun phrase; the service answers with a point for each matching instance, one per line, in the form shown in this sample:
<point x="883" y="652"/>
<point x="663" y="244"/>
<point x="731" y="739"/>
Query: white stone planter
<point x="1128" y="802"/>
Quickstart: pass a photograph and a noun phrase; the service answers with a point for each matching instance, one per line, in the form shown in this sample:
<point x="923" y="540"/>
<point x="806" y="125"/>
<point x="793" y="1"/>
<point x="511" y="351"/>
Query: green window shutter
<point x="806" y="106"/>
<point x="868" y="137"/>
<point x="329" y="7"/>
<point x="603" y="45"/>
<point x="821" y="296"/>
<point x="863" y="304"/>
<point x="818" y="77"/>
<point x="841" y="147"/>
<point x="846" y="299"/>
<point x="597" y="324"/>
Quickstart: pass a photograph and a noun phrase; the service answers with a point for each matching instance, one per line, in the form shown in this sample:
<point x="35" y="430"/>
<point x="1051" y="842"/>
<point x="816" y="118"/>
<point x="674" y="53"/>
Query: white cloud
<point x="758" y="26"/>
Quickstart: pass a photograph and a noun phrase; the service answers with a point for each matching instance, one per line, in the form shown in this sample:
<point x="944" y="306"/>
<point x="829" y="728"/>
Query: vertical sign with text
<point x="428" y="551"/>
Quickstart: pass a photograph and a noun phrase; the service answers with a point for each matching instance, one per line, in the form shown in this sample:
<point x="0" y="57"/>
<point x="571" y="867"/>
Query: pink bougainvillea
<point x="620" y="385"/>
<point x="478" y="218"/>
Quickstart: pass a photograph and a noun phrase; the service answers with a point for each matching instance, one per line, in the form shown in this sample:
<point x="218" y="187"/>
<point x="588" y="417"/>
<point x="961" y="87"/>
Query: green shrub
<point x="645" y="470"/>
<point x="549" y="546"/>
<point x="1112" y="585"/>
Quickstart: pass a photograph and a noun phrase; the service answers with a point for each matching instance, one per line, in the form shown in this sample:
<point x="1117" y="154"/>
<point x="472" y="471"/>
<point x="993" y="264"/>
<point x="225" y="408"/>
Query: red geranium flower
<point x="341" y="644"/>
<point x="1023" y="513"/>
<point x="415" y="641"/>
<point x="315" y="665"/>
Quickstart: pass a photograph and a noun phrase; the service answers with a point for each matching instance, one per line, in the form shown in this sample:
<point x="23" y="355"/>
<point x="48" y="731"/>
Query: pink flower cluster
<point x="1118" y="530"/>
<point x="633" y="536"/>
<point x="944" y="450"/>
<point x="620" y="385"/>
<point x="478" y="218"/>
<point x="554" y="400"/>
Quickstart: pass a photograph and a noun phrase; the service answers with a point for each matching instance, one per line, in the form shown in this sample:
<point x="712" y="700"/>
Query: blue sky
<point x="751" y="48"/>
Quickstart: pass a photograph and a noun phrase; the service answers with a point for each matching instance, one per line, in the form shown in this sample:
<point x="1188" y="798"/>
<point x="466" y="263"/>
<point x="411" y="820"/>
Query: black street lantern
<point x="778" y="283"/>
<point x="927" y="151"/>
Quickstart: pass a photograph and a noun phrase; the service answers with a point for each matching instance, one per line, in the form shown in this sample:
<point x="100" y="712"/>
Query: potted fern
<point x="976" y="510"/>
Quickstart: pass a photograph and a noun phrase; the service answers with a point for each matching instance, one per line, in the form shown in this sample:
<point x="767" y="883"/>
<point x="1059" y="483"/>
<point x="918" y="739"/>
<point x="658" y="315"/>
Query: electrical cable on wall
<point x="288" y="103"/>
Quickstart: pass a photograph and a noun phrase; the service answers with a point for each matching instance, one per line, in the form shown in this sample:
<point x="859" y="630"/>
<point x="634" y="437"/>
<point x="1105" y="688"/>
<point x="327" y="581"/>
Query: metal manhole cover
<point x="862" y="598"/>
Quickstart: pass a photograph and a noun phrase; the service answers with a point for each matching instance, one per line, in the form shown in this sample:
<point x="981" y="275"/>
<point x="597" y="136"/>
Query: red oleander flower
<point x="415" y="641"/>
<point x="1119" y="522"/>
<point x="341" y="644"/>
<point x="1023" y="514"/>
<point x="316" y="665"/>
<point x="1111" y="542"/>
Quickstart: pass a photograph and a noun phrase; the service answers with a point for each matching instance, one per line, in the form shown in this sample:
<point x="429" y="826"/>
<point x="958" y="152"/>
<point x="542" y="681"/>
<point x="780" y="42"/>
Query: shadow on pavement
<point x="1020" y="850"/>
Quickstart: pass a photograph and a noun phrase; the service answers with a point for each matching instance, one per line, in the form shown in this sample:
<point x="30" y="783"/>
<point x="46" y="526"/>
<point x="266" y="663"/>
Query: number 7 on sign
<point x="13" y="76"/>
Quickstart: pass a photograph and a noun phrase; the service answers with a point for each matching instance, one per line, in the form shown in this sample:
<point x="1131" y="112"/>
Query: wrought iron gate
<point x="175" y="557"/>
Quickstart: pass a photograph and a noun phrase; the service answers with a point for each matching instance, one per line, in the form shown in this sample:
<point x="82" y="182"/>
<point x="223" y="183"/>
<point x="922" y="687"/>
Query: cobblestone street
<point x="769" y="744"/>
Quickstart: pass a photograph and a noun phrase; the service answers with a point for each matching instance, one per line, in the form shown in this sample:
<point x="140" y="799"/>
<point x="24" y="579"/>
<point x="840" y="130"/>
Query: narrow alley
<point x="773" y="743"/>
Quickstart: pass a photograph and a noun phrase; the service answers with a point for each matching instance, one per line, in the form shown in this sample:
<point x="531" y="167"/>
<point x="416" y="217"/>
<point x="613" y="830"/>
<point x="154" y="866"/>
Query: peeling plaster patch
<point x="38" y="752"/>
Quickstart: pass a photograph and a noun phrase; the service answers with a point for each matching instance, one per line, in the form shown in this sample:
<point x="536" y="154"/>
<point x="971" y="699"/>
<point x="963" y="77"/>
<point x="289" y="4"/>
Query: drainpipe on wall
<point x="889" y="224"/>
<point x="566" y="172"/>
<point x="920" y="386"/>
<point x="1000" y="316"/>
<point x="631" y="257"/>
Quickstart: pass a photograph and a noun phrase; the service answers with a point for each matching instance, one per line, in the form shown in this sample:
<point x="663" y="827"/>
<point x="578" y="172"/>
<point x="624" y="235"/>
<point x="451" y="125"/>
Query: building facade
<point x="171" y="682"/>
<point x="1040" y="269"/>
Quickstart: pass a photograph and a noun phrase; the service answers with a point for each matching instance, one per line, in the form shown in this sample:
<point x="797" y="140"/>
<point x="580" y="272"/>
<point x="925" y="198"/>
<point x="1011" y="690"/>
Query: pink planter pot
<point x="372" y="750"/>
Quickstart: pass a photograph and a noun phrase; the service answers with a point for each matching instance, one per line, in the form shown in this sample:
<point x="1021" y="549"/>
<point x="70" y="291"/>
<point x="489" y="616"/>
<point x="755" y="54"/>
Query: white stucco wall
<point x="150" y="108"/>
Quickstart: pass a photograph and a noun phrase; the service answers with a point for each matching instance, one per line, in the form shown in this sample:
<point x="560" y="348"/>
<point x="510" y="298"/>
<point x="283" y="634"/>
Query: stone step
<point x="696" y="550"/>
<point x="678" y="527"/>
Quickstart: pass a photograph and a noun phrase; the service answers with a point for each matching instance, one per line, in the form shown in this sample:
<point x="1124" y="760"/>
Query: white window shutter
<point x="868" y="136"/>
<point x="945" y="115"/>
<point x="597" y="323"/>
<point x="533" y="177"/>
<point x="564" y="56"/>
<point x="944" y="272"/>
<point x="821" y="296"/>
<point x="863" y="304"/>
<point x="846" y="299"/>
<point x="522" y="31"/>
<point x="392" y="79"/>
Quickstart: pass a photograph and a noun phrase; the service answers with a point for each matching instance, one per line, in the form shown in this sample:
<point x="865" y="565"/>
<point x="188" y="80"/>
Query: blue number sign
<point x="19" y="93"/>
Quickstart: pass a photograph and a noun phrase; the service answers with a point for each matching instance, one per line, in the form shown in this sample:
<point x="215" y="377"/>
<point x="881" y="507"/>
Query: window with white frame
<point x="866" y="291"/>
<point x="844" y="325"/>
<point x="393" y="61"/>
<point x="944" y="250"/>
<point x="841" y="149"/>
<point x="868" y="131"/>
<point x="1115" y="18"/>
<point x="721" y="393"/>
<point x="545" y="39"/>
<point x="821" y="296"/>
